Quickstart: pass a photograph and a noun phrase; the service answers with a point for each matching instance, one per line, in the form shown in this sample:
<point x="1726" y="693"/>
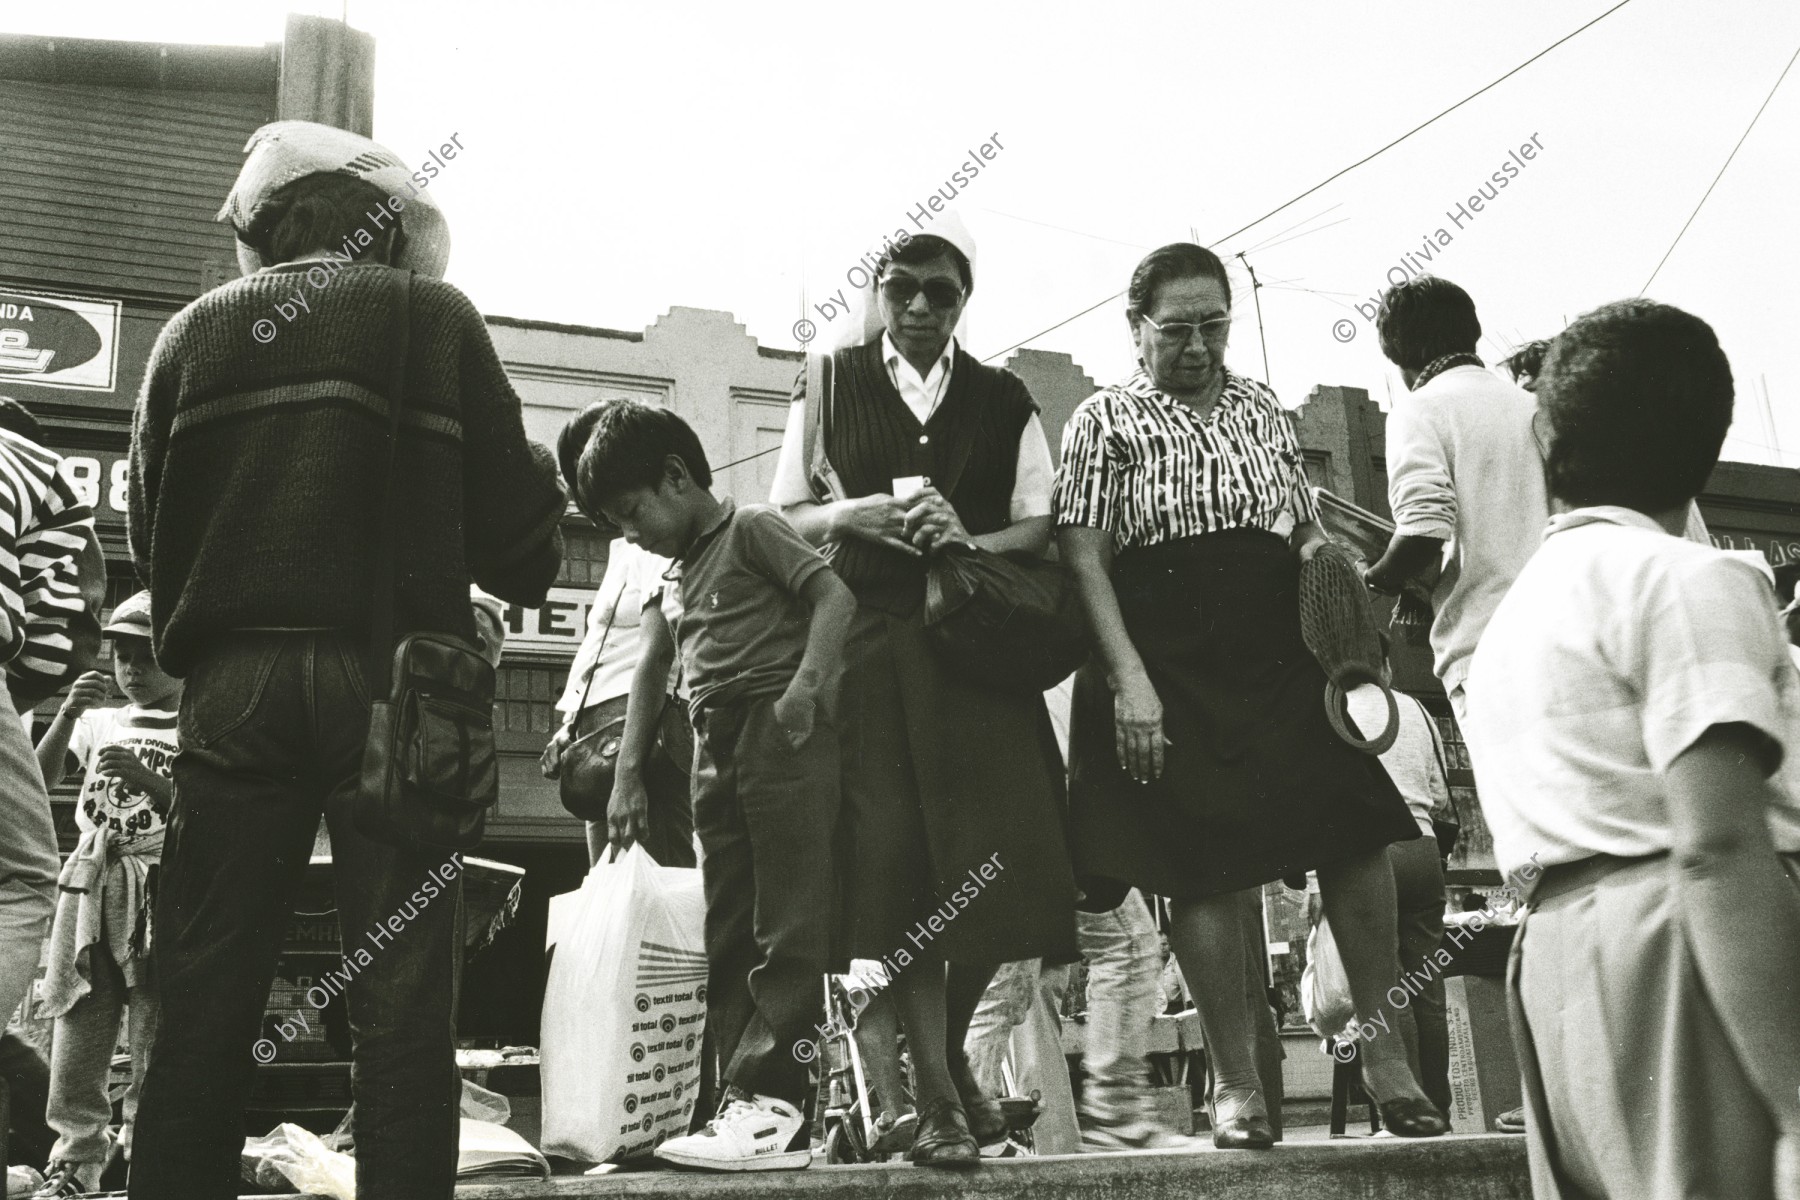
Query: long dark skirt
<point x="1255" y="786"/>
<point x="954" y="825"/>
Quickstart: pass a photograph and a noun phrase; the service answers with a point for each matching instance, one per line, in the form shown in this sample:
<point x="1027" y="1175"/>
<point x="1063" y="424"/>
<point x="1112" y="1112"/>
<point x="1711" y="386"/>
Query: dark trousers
<point x="766" y="812"/>
<point x="272" y="728"/>
<point x="1419" y="893"/>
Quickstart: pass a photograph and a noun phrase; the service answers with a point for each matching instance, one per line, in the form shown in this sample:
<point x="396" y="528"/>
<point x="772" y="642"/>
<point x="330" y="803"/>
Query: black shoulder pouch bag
<point x="429" y="773"/>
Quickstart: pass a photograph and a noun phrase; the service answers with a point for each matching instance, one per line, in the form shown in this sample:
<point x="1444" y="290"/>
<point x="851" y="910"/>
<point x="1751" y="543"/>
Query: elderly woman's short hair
<point x="1166" y="264"/>
<point x="1424" y="319"/>
<point x="1639" y="397"/>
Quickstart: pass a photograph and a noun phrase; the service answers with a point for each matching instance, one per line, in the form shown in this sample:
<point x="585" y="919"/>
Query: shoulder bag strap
<point x="381" y="610"/>
<point x="599" y="652"/>
<point x="815" y="462"/>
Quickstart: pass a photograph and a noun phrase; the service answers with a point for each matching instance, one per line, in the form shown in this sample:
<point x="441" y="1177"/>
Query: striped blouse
<point x="1141" y="464"/>
<point x="44" y="527"/>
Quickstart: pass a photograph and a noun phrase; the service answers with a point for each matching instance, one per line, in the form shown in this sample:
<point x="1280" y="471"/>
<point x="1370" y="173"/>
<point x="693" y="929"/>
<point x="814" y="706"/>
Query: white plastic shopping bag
<point x="624" y="1009"/>
<point x="1324" y="987"/>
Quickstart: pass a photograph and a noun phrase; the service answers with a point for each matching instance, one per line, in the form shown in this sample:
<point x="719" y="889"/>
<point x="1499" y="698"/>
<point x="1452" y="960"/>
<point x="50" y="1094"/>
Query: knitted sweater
<point x="257" y="470"/>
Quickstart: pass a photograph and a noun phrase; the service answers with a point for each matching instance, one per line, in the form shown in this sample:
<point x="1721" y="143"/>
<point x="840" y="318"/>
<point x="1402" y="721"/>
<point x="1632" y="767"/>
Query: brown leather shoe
<point x="943" y="1139"/>
<point x="987" y="1120"/>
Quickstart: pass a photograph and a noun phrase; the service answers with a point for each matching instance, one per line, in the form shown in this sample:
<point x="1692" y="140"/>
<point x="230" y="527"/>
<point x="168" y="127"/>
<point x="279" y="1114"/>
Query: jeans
<point x="80" y="1109"/>
<point x="272" y="728"/>
<point x="1018" y="1023"/>
<point x="28" y="860"/>
<point x="766" y="812"/>
<point x="1124" y="956"/>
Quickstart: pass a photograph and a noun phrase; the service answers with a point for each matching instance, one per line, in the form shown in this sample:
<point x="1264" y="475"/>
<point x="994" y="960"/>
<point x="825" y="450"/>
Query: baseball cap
<point x="131" y="618"/>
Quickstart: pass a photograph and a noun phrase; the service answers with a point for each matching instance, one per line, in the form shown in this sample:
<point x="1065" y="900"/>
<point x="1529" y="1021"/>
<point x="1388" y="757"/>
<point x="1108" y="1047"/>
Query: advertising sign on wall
<point x="58" y="341"/>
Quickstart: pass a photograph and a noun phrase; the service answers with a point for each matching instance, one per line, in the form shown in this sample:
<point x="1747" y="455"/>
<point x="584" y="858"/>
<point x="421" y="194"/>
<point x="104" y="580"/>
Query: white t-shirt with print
<point x="1617" y="647"/>
<point x="132" y="814"/>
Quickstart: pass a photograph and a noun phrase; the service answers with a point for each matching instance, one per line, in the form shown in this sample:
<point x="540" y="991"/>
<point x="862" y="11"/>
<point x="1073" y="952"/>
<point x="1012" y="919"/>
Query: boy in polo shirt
<point x="1640" y="729"/>
<point x="761" y="634"/>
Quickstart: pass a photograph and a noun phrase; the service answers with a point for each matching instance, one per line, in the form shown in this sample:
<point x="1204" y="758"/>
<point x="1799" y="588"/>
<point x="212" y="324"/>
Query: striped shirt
<point x="1141" y="464"/>
<point x="43" y="529"/>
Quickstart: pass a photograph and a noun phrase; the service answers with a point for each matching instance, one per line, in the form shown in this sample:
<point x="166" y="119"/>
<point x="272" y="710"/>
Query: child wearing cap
<point x="100" y="943"/>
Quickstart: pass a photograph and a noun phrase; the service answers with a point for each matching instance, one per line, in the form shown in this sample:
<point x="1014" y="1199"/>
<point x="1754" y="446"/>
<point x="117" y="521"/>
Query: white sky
<point x="621" y="159"/>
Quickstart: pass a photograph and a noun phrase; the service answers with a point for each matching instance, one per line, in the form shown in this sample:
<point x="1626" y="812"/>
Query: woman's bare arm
<point x="1137" y="710"/>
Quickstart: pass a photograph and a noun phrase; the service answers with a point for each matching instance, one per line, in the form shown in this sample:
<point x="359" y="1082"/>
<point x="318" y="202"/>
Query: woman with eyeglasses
<point x="955" y="858"/>
<point x="1202" y="765"/>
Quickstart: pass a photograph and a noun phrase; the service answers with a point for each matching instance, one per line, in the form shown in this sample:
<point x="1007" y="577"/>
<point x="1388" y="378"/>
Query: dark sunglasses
<point x="941" y="294"/>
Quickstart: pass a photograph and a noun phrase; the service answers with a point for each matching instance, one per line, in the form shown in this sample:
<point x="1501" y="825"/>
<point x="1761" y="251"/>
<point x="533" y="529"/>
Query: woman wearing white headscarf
<point x="945" y="782"/>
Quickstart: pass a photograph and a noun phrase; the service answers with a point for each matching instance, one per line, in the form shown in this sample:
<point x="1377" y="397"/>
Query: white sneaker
<point x="750" y="1135"/>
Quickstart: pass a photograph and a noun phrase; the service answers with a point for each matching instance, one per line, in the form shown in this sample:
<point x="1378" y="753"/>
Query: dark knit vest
<point x="968" y="450"/>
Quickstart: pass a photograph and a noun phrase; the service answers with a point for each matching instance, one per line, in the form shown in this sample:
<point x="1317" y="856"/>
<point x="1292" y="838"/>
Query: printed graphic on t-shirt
<point x="129" y="811"/>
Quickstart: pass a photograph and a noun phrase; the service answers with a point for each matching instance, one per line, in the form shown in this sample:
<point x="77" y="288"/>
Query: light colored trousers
<point x="1018" y="1021"/>
<point x="28" y="860"/>
<point x="80" y="1108"/>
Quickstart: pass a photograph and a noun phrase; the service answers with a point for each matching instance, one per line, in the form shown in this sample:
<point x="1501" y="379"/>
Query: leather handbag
<point x="429" y="771"/>
<point x="590" y="762"/>
<point x="1008" y="621"/>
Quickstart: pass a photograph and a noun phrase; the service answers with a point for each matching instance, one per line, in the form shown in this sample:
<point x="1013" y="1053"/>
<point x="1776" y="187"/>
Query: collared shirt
<point x="1616" y="648"/>
<point x="743" y="622"/>
<point x="1032" y="474"/>
<point x="1143" y="465"/>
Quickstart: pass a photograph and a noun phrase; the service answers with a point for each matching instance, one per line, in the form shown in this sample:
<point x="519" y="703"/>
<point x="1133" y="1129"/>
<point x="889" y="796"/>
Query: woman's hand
<point x="1138" y="727"/>
<point x="879" y="518"/>
<point x="627" y="811"/>
<point x="931" y="521"/>
<point x="550" y="761"/>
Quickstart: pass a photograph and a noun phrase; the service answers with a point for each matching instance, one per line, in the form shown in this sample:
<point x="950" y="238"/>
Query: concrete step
<point x="1463" y="1167"/>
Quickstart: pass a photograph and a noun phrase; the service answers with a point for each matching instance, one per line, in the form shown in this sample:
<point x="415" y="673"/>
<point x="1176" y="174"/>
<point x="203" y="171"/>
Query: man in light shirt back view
<point x="1465" y="470"/>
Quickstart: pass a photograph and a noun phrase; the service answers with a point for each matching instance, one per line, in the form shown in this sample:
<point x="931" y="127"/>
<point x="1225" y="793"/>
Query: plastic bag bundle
<point x="1338" y="625"/>
<point x="624" y="1009"/>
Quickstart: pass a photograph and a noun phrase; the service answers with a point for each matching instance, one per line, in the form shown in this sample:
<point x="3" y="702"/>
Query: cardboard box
<point x="1484" y="1070"/>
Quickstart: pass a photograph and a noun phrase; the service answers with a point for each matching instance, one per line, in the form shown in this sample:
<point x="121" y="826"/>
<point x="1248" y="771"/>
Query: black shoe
<point x="943" y="1139"/>
<point x="1412" y="1117"/>
<point x="1244" y="1133"/>
<point x="987" y="1120"/>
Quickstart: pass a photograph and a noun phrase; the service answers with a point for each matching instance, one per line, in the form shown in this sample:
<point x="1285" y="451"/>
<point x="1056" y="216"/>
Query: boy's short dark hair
<point x="1639" y="397"/>
<point x="570" y="442"/>
<point x="629" y="447"/>
<point x="16" y="418"/>
<point x="1424" y="319"/>
<point x="320" y="212"/>
<point x="929" y="248"/>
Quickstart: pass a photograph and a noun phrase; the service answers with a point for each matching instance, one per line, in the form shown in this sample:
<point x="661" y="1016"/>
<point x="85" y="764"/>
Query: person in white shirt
<point x="1639" y="727"/>
<point x="1465" y="472"/>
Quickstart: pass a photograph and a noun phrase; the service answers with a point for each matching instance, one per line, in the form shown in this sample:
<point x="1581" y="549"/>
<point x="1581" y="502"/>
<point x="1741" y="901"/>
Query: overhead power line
<point x="1721" y="174"/>
<point x="1340" y="174"/>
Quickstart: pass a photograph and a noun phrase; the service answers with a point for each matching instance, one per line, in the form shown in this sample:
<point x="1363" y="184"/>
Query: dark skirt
<point x="954" y="845"/>
<point x="1255" y="785"/>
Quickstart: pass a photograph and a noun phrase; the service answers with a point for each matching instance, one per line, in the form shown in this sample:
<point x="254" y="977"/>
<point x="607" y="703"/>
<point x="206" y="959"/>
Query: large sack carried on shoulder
<point x="1011" y="621"/>
<point x="624" y="1010"/>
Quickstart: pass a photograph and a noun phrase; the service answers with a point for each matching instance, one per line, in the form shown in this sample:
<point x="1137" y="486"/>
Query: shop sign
<point x="558" y="626"/>
<point x="51" y="340"/>
<point x="98" y="479"/>
<point x="1779" y="549"/>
